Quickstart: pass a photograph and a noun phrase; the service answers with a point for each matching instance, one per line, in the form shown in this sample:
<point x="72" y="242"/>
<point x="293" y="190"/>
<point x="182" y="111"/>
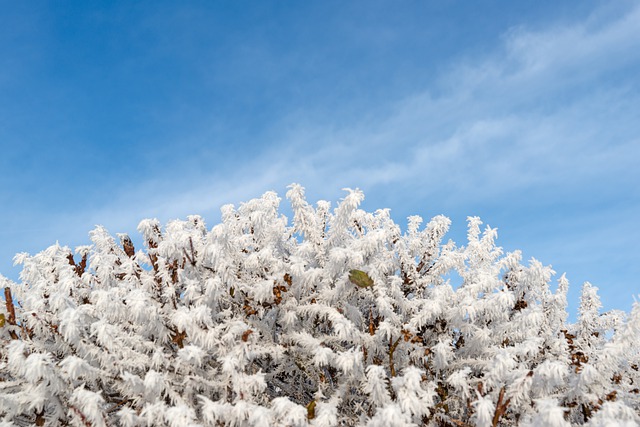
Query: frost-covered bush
<point x="337" y="319"/>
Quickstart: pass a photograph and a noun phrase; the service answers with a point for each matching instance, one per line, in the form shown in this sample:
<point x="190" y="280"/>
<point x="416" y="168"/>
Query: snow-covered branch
<point x="336" y="319"/>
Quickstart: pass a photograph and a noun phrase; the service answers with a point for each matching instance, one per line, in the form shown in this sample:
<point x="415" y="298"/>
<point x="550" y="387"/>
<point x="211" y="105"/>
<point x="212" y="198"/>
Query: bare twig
<point x="458" y="422"/>
<point x="11" y="310"/>
<point x="118" y="405"/>
<point x="128" y="247"/>
<point x="392" y="349"/>
<point x="372" y="329"/>
<point x="79" y="268"/>
<point x="501" y="408"/>
<point x="40" y="420"/>
<point x="82" y="416"/>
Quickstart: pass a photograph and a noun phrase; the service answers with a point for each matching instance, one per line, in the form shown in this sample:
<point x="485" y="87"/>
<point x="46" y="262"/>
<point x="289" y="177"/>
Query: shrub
<point x="338" y="319"/>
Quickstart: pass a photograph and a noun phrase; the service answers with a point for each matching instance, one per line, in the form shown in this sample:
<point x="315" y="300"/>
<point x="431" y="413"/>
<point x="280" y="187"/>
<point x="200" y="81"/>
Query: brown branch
<point x="311" y="410"/>
<point x="10" y="307"/>
<point x="586" y="412"/>
<point x="128" y="247"/>
<point x="173" y="270"/>
<point x="423" y="262"/>
<point x="178" y="338"/>
<point x="153" y="257"/>
<point x="193" y="252"/>
<point x="372" y="329"/>
<point x="11" y="310"/>
<point x="82" y="416"/>
<point x="192" y="258"/>
<point x="118" y="405"/>
<point x="184" y="251"/>
<point x="392" y="349"/>
<point x="458" y="423"/>
<point x="501" y="408"/>
<point x="82" y="266"/>
<point x="79" y="268"/>
<point x="40" y="420"/>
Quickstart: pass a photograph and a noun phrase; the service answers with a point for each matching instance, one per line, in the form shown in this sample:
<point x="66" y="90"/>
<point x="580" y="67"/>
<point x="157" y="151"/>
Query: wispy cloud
<point x="546" y="106"/>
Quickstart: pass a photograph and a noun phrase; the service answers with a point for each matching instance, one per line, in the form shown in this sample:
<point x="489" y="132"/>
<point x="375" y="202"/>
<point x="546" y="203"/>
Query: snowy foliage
<point x="337" y="319"/>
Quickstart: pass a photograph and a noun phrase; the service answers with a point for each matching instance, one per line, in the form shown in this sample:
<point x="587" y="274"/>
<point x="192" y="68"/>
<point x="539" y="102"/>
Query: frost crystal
<point x="336" y="319"/>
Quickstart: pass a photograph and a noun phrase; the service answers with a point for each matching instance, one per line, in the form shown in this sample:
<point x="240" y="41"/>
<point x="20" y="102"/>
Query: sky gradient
<point x="526" y="114"/>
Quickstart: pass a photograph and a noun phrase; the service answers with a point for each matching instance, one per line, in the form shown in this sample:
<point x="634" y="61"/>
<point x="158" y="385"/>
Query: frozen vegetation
<point x="338" y="318"/>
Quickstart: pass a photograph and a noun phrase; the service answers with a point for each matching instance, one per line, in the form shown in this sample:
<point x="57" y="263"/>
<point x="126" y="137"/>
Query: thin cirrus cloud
<point x="538" y="111"/>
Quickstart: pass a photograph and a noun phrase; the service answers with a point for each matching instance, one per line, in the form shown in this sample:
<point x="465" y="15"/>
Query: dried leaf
<point x="311" y="410"/>
<point x="360" y="279"/>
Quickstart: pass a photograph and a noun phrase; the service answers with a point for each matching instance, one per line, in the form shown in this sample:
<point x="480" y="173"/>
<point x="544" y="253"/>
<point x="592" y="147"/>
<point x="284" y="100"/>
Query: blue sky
<point x="526" y="114"/>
